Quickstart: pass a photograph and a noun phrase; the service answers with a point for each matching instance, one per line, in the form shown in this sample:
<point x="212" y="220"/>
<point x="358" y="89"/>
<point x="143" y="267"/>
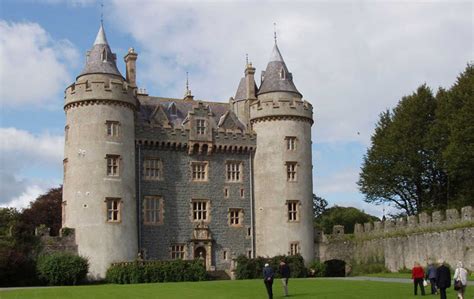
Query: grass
<point x="298" y="288"/>
<point x="403" y="275"/>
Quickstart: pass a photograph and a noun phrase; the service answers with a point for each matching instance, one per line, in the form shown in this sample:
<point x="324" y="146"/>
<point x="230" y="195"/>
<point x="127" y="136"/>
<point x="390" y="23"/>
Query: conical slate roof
<point x="100" y="59"/>
<point x="277" y="77"/>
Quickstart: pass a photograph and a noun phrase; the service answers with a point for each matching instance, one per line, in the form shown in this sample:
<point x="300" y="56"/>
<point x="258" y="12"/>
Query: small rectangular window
<point x="200" y="210"/>
<point x="249" y="254"/>
<point x="152" y="169"/>
<point x="290" y="143"/>
<point x="113" y="162"/>
<point x="226" y="192"/>
<point x="177" y="252"/>
<point x="153" y="210"/>
<point x="294" y="248"/>
<point x="113" y="128"/>
<point x="224" y="255"/>
<point x="235" y="217"/>
<point x="199" y="171"/>
<point x="113" y="209"/>
<point x="293" y="207"/>
<point x="63" y="212"/>
<point x="291" y="171"/>
<point x="64" y="168"/>
<point x="249" y="231"/>
<point x="233" y="171"/>
<point x="242" y="193"/>
<point x="201" y="126"/>
<point x="66" y="133"/>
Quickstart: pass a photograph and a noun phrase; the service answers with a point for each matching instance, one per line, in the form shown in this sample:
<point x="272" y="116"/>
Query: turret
<point x="245" y="95"/>
<point x="99" y="180"/>
<point x="282" y="165"/>
<point x="131" y="67"/>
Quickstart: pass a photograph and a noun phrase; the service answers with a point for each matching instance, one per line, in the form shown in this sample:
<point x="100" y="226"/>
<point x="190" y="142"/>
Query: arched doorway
<point x="335" y="268"/>
<point x="200" y="253"/>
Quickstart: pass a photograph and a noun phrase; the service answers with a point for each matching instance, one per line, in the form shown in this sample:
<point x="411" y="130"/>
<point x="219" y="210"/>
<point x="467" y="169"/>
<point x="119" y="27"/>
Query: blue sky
<point x="351" y="60"/>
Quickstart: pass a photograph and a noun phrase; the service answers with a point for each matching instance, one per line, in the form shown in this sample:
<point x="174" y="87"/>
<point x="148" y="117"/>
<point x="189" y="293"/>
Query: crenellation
<point x="412" y="221"/>
<point x="466" y="214"/>
<point x="400" y="223"/>
<point x="389" y="225"/>
<point x="452" y="215"/>
<point x="437" y="217"/>
<point x="338" y="230"/>
<point x="368" y="227"/>
<point x="358" y="229"/>
<point x="424" y="218"/>
<point x="378" y="226"/>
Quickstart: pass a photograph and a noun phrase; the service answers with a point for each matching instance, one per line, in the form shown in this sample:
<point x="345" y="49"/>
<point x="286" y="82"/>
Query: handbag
<point x="425" y="283"/>
<point x="457" y="285"/>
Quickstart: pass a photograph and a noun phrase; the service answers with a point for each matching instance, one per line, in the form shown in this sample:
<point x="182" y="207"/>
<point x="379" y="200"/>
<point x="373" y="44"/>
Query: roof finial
<point x="275" y="32"/>
<point x="247" y="58"/>
<point x="102" y="13"/>
<point x="188" y="91"/>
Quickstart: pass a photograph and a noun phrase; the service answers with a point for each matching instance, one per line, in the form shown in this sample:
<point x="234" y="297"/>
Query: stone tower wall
<point x="274" y="117"/>
<point x="90" y="102"/>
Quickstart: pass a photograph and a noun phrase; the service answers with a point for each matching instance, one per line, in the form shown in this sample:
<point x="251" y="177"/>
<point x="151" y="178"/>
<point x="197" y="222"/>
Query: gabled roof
<point x="277" y="77"/>
<point x="100" y="59"/>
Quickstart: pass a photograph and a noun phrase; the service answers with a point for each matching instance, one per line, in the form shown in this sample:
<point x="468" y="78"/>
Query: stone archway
<point x="335" y="268"/>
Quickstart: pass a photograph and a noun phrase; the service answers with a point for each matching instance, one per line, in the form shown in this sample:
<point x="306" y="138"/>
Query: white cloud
<point x="351" y="60"/>
<point x="342" y="181"/>
<point x="25" y="162"/>
<point x="33" y="66"/>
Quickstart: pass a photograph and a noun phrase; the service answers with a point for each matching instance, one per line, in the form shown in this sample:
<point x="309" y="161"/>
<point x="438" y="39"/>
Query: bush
<point x="317" y="269"/>
<point x="252" y="268"/>
<point x="156" y="271"/>
<point x="62" y="268"/>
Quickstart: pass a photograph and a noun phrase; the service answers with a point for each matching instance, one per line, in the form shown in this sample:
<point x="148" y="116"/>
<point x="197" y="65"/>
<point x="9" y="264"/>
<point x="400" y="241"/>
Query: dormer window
<point x="172" y="109"/>
<point x="283" y="74"/>
<point x="103" y="56"/>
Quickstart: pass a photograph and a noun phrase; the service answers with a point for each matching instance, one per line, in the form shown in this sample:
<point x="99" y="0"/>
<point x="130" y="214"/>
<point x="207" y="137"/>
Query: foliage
<point x="422" y="152"/>
<point x="317" y="269"/>
<point x="156" y="271"/>
<point x="62" y="268"/>
<point x="347" y="217"/>
<point x="319" y="205"/>
<point x="251" y="268"/>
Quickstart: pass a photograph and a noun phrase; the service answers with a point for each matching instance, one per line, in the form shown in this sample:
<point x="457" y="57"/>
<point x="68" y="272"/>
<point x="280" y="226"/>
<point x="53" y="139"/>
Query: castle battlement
<point x="99" y="89"/>
<point x="412" y="224"/>
<point x="281" y="108"/>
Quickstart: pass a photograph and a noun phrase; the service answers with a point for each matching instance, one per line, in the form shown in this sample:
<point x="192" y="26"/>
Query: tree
<point x="347" y="217"/>
<point x="399" y="167"/>
<point x="319" y="205"/>
<point x="46" y="210"/>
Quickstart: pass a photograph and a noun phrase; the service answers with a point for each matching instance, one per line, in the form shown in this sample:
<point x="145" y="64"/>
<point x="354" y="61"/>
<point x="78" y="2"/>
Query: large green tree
<point x="346" y="216"/>
<point x="422" y="151"/>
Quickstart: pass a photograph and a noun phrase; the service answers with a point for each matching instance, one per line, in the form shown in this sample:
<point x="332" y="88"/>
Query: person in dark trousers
<point x="431" y="275"/>
<point x="268" y="279"/>
<point x="418" y="274"/>
<point x="443" y="279"/>
<point x="285" y="275"/>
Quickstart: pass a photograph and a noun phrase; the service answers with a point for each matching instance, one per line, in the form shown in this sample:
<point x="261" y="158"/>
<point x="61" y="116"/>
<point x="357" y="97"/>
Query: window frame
<point x="291" y="171"/>
<point x="178" y="251"/>
<point x="233" y="171"/>
<point x="112" y="129"/>
<point x="294" y="248"/>
<point x="293" y="215"/>
<point x="196" y="175"/>
<point x="201" y="214"/>
<point x="157" y="210"/>
<point x="291" y="143"/>
<point x="113" y="173"/>
<point x="117" y="209"/>
<point x="201" y="126"/>
<point x="235" y="214"/>
<point x="156" y="168"/>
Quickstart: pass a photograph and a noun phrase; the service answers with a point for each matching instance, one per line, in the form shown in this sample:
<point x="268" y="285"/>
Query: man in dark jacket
<point x="443" y="280"/>
<point x="268" y="280"/>
<point x="285" y="275"/>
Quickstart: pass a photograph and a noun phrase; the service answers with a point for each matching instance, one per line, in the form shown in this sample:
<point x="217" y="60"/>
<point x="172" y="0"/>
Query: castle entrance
<point x="202" y="245"/>
<point x="200" y="254"/>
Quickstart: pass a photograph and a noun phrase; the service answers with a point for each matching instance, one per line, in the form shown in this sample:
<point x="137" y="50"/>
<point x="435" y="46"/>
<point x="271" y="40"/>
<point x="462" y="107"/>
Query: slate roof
<point x="96" y="63"/>
<point x="273" y="80"/>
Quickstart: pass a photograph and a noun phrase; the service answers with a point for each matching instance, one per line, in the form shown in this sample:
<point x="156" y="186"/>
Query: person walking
<point x="443" y="279"/>
<point x="460" y="274"/>
<point x="268" y="279"/>
<point x="285" y="275"/>
<point x="418" y="274"/>
<point x="431" y="275"/>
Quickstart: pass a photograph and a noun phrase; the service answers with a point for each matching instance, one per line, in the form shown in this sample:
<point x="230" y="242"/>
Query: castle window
<point x="113" y="209"/>
<point x="113" y="162"/>
<point x="152" y="169"/>
<point x="235" y="217"/>
<point x="233" y="170"/>
<point x="249" y="231"/>
<point x="201" y="126"/>
<point x="64" y="168"/>
<point x="153" y="210"/>
<point x="226" y="192"/>
<point x="200" y="210"/>
<point x="63" y="212"/>
<point x="104" y="56"/>
<point x="112" y="128"/>
<point x="242" y="193"/>
<point x="290" y="143"/>
<point x="66" y="133"/>
<point x="199" y="171"/>
<point x="282" y="73"/>
<point x="224" y="255"/>
<point x="172" y="109"/>
<point x="177" y="252"/>
<point x="293" y="210"/>
<point x="294" y="248"/>
<point x="249" y="254"/>
<point x="291" y="171"/>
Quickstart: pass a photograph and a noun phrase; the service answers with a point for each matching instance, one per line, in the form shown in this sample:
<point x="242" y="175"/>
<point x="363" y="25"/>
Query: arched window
<point x="283" y="74"/>
<point x="103" y="56"/>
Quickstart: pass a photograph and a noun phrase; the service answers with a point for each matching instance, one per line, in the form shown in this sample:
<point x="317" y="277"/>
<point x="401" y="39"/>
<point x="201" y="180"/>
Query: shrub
<point x="156" y="271"/>
<point x="252" y="268"/>
<point x="317" y="269"/>
<point x="62" y="268"/>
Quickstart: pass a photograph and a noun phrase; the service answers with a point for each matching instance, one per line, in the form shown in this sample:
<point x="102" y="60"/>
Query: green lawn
<point x="252" y="289"/>
<point x="403" y="275"/>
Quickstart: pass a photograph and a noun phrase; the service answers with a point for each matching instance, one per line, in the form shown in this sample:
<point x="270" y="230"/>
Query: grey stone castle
<point x="183" y="178"/>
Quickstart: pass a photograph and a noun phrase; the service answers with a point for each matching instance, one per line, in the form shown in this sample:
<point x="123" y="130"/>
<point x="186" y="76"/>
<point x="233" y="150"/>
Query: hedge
<point x="156" y="271"/>
<point x="252" y="268"/>
<point x="62" y="268"/>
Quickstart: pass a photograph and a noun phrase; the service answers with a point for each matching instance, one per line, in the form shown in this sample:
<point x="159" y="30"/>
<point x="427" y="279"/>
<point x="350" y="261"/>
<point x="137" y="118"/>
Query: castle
<point x="182" y="178"/>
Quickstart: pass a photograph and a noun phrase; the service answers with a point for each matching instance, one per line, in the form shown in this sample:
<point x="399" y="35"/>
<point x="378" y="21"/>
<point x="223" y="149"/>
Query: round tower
<point x="282" y="165"/>
<point x="99" y="161"/>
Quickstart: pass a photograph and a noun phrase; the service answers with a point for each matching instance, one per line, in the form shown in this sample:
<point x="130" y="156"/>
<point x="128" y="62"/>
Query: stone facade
<point x="169" y="178"/>
<point x="401" y="245"/>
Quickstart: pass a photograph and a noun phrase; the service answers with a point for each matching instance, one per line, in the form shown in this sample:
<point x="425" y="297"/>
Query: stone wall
<point x="423" y="238"/>
<point x="65" y="242"/>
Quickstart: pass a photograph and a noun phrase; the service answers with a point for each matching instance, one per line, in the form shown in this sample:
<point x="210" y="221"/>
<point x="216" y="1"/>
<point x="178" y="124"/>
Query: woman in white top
<point x="461" y="275"/>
